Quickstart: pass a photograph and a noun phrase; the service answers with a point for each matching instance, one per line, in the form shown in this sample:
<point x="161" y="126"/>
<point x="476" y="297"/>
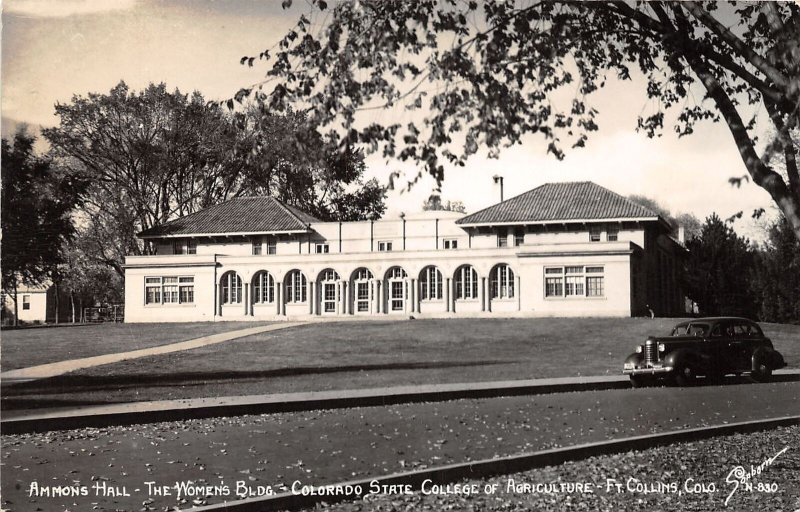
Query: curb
<point x="493" y="467"/>
<point x="152" y="412"/>
<point x="173" y="410"/>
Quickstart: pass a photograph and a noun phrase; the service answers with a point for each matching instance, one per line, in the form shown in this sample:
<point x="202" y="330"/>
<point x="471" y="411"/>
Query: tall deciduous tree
<point x="37" y="203"/>
<point x="154" y="155"/>
<point x="487" y="73"/>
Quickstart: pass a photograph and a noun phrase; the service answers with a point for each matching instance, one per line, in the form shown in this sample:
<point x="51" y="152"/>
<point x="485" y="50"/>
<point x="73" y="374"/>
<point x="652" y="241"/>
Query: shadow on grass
<point x="64" y="384"/>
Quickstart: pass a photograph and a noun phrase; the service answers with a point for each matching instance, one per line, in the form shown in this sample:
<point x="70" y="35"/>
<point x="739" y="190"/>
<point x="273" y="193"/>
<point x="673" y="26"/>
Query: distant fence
<point x="114" y="313"/>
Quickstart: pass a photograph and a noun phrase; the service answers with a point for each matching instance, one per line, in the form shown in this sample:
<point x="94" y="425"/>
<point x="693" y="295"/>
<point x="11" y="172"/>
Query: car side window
<point x="716" y="331"/>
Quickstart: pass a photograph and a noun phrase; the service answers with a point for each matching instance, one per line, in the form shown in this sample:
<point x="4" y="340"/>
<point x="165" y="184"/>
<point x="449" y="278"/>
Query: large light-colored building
<point x="562" y="249"/>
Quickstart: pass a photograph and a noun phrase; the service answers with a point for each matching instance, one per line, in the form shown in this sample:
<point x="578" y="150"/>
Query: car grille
<point x="650" y="353"/>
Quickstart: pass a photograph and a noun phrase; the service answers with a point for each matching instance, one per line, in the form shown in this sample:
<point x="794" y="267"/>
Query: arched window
<point x="263" y="288"/>
<point x="502" y="282"/>
<point x="296" y="286"/>
<point x="231" y="288"/>
<point x="431" y="283"/>
<point x="466" y="283"/>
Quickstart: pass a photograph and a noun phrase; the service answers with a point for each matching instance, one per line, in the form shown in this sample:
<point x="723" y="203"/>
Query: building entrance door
<point x="397" y="295"/>
<point x="328" y="297"/>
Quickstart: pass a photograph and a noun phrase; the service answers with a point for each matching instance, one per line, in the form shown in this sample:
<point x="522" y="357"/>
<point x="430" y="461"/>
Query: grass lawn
<point x="342" y="355"/>
<point x="30" y="347"/>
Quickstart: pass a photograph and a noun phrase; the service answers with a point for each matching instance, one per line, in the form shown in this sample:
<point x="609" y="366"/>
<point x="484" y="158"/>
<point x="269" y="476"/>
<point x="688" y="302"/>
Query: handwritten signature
<point x="740" y="477"/>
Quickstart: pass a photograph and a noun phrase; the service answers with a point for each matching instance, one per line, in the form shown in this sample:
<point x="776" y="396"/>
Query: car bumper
<point x="650" y="370"/>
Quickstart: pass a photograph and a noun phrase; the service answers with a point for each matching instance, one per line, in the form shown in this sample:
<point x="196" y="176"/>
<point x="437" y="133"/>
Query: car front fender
<point x="679" y="357"/>
<point x="771" y="357"/>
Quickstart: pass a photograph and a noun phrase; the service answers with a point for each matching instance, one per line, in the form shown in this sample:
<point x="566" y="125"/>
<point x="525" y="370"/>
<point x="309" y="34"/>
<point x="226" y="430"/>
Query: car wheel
<point x="685" y="375"/>
<point x="637" y="381"/>
<point x="762" y="373"/>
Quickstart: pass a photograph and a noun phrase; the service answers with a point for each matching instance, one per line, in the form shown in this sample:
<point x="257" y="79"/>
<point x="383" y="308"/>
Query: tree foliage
<point x="691" y="224"/>
<point x="37" y="203"/>
<point x="776" y="278"/>
<point x="719" y="271"/>
<point x="434" y="202"/>
<point x="485" y="74"/>
<point x="154" y="155"/>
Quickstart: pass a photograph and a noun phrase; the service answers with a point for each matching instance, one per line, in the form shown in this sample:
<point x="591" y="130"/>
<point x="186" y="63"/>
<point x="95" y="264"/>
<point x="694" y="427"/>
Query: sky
<point x="54" y="49"/>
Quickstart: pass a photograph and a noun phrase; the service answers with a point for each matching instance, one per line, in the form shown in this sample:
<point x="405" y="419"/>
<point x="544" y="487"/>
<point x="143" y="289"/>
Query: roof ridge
<point x="504" y="201"/>
<point x="288" y="210"/>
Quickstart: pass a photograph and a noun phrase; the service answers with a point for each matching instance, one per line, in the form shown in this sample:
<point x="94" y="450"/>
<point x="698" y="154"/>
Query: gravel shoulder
<point x="319" y="447"/>
<point x="698" y="476"/>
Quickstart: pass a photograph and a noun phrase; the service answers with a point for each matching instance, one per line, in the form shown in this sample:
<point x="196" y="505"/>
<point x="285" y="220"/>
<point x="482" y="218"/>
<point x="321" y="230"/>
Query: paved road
<point x="326" y="446"/>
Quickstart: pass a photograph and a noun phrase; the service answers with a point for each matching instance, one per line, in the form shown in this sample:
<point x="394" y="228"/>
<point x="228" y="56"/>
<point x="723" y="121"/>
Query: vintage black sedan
<point x="707" y="347"/>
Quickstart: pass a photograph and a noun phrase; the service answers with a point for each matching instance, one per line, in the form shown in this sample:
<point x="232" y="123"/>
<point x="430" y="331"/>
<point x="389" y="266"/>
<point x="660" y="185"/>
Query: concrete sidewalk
<point x="44" y="371"/>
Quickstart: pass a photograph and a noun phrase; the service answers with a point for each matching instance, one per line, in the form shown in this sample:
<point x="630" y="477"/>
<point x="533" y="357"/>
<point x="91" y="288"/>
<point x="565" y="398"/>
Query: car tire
<point x="637" y="381"/>
<point x="685" y="375"/>
<point x="762" y="373"/>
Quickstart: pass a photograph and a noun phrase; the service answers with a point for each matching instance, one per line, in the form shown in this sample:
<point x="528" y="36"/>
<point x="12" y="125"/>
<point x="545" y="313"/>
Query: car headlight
<point x="639" y="349"/>
<point x="662" y="347"/>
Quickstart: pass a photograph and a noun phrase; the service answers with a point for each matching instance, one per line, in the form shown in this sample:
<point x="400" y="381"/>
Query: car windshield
<point x="690" y="329"/>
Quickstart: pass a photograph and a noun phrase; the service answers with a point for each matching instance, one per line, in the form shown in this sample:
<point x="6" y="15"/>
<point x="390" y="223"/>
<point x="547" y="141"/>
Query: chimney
<point x="499" y="179"/>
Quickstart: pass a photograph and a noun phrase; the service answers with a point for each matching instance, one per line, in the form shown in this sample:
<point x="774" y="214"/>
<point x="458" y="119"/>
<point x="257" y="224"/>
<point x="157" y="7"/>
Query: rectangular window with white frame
<point x="450" y="243"/>
<point x="26" y="302"/>
<point x="272" y="246"/>
<point x="257" y="246"/>
<point x="612" y="234"/>
<point x="384" y="246"/>
<point x="574" y="281"/>
<point x="169" y="290"/>
<point x="595" y="232"/>
<point x="321" y="248"/>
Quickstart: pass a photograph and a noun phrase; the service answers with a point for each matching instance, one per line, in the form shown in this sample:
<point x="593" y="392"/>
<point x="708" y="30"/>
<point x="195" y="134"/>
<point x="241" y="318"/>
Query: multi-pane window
<point x="612" y="234"/>
<point x="329" y="279"/>
<point x="384" y="246"/>
<point x="574" y="281"/>
<point x="272" y="246"/>
<point x="450" y="243"/>
<point x="502" y="239"/>
<point x="26" y="302"/>
<point x="188" y="246"/>
<point x="594" y="233"/>
<point x="296" y="287"/>
<point x="519" y="238"/>
<point x="431" y="284"/>
<point x="186" y="287"/>
<point x="594" y="282"/>
<point x="502" y="282"/>
<point x="263" y="288"/>
<point x="231" y="288"/>
<point x="466" y="283"/>
<point x="256" y="247"/>
<point x="169" y="290"/>
<point x="554" y="282"/>
<point x="321" y="248"/>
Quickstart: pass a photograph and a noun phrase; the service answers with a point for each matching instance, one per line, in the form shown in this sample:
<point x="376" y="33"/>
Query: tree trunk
<point x="72" y="304"/>
<point x="16" y="305"/>
<point x="58" y="302"/>
<point x="762" y="175"/>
